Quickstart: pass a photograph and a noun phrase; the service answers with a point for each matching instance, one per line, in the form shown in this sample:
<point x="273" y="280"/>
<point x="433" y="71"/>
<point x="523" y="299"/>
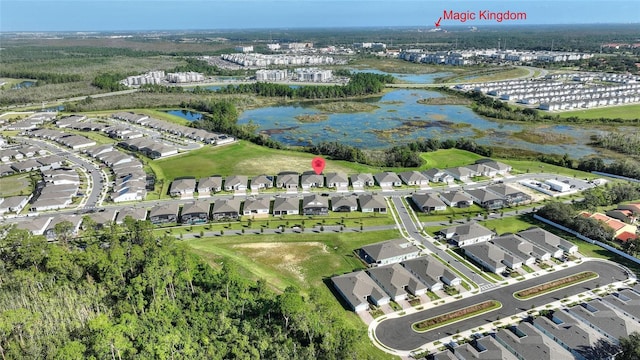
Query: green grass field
<point x="244" y="158"/>
<point x="448" y="158"/>
<point x="623" y="112"/>
<point x="304" y="261"/>
<point x="18" y="184"/>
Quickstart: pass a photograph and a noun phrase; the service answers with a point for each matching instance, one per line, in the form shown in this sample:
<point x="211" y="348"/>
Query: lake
<point x="400" y="119"/>
<point x="23" y="85"/>
<point x="185" y="114"/>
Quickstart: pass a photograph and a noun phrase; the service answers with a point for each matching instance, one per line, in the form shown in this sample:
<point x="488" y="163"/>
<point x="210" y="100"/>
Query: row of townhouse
<point x="150" y="148"/>
<point x="512" y="251"/>
<point x="491" y="197"/>
<point x="395" y="281"/>
<point x="73" y="141"/>
<point x="33" y="121"/>
<point x="129" y="178"/>
<point x="262" y="60"/>
<point x="10" y="153"/>
<point x="14" y="204"/>
<point x="290" y="180"/>
<point x="46" y="225"/>
<point x="174" y="129"/>
<point x="229" y="209"/>
<point x="57" y="190"/>
<point x="41" y="163"/>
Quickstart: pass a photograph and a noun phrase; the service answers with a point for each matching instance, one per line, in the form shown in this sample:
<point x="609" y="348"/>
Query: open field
<point x="445" y="158"/>
<point x="612" y="112"/>
<point x="244" y="158"/>
<point x="18" y="184"/>
<point x="304" y="261"/>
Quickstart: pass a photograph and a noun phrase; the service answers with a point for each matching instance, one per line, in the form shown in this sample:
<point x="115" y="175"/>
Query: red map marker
<point x="318" y="164"/>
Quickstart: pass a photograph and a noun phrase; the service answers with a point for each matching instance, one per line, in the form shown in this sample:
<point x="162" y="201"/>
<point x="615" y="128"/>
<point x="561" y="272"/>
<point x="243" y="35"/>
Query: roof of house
<point x="412" y="176"/>
<point x="459" y="172"/>
<point x="456" y="196"/>
<point x="286" y="204"/>
<point x="165" y="209"/>
<point x="491" y="350"/>
<point x="196" y="208"/>
<point x="357" y="286"/>
<point x="386" y="177"/>
<point x="395" y="279"/>
<point x="135" y="213"/>
<point x="257" y="204"/>
<point x="429" y="267"/>
<point x="491" y="254"/>
<point x="517" y="246"/>
<point x="262" y="179"/>
<point x="180" y="185"/>
<point x="569" y="331"/>
<point x="625" y="299"/>
<point x="541" y="237"/>
<point x="234" y="180"/>
<point x="427" y="200"/>
<point x="337" y="177"/>
<point x="344" y="200"/>
<point x="504" y="189"/>
<point x="529" y="343"/>
<point x="603" y="317"/>
<point x="483" y="195"/>
<point x="368" y="201"/>
<point x="433" y="172"/>
<point x="310" y="177"/>
<point x="632" y="206"/>
<point x="12" y="201"/>
<point x="315" y="200"/>
<point x="626" y="236"/>
<point x="288" y="178"/>
<point x="494" y="164"/>
<point x="35" y="225"/>
<point x="390" y="249"/>
<point x="361" y="177"/>
<point x="467" y="231"/>
<point x="226" y="206"/>
<point x="211" y="182"/>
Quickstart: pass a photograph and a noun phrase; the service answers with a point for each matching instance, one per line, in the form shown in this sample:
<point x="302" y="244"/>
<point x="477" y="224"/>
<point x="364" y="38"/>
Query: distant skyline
<point x="136" y="15"/>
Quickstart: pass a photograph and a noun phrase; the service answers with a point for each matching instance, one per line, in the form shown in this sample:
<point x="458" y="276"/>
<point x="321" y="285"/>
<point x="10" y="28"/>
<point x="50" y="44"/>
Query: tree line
<point x="42" y="77"/>
<point x="627" y="143"/>
<point x="121" y="292"/>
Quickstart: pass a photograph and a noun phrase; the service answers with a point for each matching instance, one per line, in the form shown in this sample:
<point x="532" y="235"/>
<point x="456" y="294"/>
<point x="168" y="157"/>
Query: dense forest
<point x="121" y="293"/>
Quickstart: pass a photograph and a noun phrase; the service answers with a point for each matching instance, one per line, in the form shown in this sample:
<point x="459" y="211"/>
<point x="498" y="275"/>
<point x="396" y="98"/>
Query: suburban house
<point x="195" y="213"/>
<point x="619" y="228"/>
<point x="516" y="246"/>
<point x="511" y="195"/>
<point x="633" y="207"/>
<point x="358" y="289"/>
<point x="626" y="216"/>
<point x="572" y="334"/>
<point x="372" y="203"/>
<point x="337" y="180"/>
<point x="597" y="315"/>
<point x="388" y="252"/>
<point x="256" y="207"/>
<point x="428" y="202"/>
<point x="491" y="257"/>
<point x="431" y="272"/>
<point x="554" y="244"/>
<point x="36" y="226"/>
<point x="361" y="180"/>
<point x="526" y="342"/>
<point x="235" y="183"/>
<point x="437" y="175"/>
<point x="262" y="182"/>
<point x="315" y="205"/>
<point x="50" y="231"/>
<point x="162" y="214"/>
<point x="485" y="347"/>
<point x="286" y="206"/>
<point x="102" y="218"/>
<point x="482" y="170"/>
<point x="287" y="180"/>
<point x="456" y="199"/>
<point x="226" y="209"/>
<point x="14" y="204"/>
<point x="467" y="234"/>
<point x="387" y="179"/>
<point x="134" y="213"/>
<point x="395" y="280"/>
<point x="414" y="178"/>
<point x="461" y="173"/>
<point x="346" y="203"/>
<point x="486" y="199"/>
<point x="500" y="168"/>
<point x="183" y="187"/>
<point x="209" y="184"/>
<point x="309" y="179"/>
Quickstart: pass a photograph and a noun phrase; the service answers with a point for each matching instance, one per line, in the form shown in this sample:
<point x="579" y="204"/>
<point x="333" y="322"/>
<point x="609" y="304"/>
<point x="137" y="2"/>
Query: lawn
<point x="531" y="166"/>
<point x="445" y="158"/>
<point x="18" y="184"/>
<point x="627" y="112"/>
<point x="244" y="158"/>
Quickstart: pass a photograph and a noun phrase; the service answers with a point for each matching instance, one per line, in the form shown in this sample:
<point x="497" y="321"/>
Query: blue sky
<point x="114" y="15"/>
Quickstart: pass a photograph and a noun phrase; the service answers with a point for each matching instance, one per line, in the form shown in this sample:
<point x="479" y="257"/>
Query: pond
<point x="185" y="114"/>
<point x="399" y="119"/>
<point x="23" y="85"/>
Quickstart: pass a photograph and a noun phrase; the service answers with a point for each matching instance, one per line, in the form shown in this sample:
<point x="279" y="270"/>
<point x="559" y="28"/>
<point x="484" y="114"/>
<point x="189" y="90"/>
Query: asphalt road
<point x="396" y="333"/>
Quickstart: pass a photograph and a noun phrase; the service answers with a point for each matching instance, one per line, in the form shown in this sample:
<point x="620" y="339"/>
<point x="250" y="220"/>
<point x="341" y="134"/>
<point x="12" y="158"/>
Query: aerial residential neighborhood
<point x="319" y="180"/>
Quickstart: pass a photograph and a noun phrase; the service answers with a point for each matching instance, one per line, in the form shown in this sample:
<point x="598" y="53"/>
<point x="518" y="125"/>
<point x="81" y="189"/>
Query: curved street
<point x="397" y="333"/>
